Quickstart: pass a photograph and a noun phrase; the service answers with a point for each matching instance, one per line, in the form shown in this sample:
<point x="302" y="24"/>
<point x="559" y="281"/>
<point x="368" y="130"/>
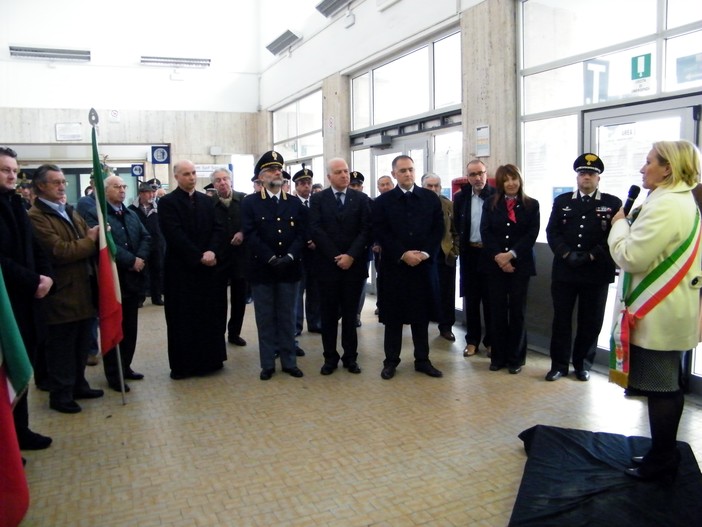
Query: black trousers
<point x="340" y="296"/>
<point x="67" y="348"/>
<point x="238" y="291"/>
<point x="393" y="343"/>
<point x="476" y="292"/>
<point x="508" y="296"/>
<point x="447" y="294"/>
<point x="130" y="315"/>
<point x="592" y="299"/>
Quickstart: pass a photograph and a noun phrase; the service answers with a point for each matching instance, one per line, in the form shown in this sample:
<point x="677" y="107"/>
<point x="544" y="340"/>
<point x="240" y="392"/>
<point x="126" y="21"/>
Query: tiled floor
<point x="343" y="450"/>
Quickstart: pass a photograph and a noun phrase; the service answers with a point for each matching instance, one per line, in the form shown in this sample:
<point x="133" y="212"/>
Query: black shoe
<point x="656" y="469"/>
<point x="582" y="375"/>
<point x="554" y="375"/>
<point x="299" y="352"/>
<point x="178" y="376"/>
<point x="294" y="371"/>
<point x="358" y="322"/>
<point x="88" y="393"/>
<point x="157" y="301"/>
<point x="353" y="367"/>
<point x="637" y="460"/>
<point x="388" y="372"/>
<point x="327" y="369"/>
<point x="515" y="371"/>
<point x="116" y="387"/>
<point x="266" y="374"/>
<point x="141" y="304"/>
<point x="495" y="367"/>
<point x="236" y="340"/>
<point x="65" y="407"/>
<point x="29" y="440"/>
<point x="448" y="335"/>
<point x="133" y="375"/>
<point x="428" y="369"/>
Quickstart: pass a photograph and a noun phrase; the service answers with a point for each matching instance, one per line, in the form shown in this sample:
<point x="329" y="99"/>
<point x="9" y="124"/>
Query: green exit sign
<point x="641" y="67"/>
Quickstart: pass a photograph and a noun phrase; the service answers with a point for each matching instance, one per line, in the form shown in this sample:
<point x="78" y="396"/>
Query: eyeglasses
<point x="476" y="174"/>
<point x="57" y="182"/>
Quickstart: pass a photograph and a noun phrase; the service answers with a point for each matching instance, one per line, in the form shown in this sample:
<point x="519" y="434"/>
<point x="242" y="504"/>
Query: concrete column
<point x="336" y="116"/>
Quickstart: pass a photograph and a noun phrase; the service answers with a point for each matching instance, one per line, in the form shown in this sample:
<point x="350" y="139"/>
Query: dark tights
<point x="664" y="413"/>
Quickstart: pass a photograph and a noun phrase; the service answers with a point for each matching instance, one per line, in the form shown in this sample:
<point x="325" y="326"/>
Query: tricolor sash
<point x="634" y="305"/>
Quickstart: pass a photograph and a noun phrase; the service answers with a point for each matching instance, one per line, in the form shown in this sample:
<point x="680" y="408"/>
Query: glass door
<point x="622" y="137"/>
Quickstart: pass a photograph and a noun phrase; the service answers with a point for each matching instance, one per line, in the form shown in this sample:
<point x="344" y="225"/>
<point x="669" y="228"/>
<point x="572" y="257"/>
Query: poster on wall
<point x="482" y="141"/>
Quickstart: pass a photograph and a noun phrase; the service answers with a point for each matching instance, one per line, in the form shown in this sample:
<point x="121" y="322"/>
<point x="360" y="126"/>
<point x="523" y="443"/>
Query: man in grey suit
<point x="340" y="227"/>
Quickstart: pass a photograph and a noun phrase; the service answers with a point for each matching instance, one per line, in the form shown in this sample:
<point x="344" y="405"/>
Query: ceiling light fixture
<point x="70" y="55"/>
<point x="175" y="62"/>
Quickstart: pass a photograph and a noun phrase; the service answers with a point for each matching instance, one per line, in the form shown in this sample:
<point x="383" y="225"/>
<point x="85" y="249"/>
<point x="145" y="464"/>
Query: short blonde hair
<point x="684" y="160"/>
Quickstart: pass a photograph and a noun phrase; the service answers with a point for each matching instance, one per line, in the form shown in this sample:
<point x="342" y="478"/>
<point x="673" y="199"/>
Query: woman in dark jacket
<point x="509" y="227"/>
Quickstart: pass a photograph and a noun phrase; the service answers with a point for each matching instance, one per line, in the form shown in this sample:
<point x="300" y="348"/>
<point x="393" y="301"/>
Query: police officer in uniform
<point x="582" y="268"/>
<point x="274" y="228"/>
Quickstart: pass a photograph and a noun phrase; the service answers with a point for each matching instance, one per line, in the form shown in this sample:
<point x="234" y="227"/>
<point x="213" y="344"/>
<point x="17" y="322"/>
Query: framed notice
<point x="482" y="141"/>
<point x="69" y="132"/>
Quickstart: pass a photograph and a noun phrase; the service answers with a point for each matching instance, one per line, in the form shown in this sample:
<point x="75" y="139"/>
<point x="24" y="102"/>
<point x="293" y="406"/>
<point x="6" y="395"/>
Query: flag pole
<point x="109" y="295"/>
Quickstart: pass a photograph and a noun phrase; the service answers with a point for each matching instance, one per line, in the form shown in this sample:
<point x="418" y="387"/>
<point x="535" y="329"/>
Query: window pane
<point x="360" y="88"/>
<point x="550" y="146"/>
<point x="288" y="149"/>
<point x="607" y="78"/>
<point x="681" y="12"/>
<point x="448" y="159"/>
<point x="447" y="71"/>
<point x="361" y="162"/>
<point x="555" y="29"/>
<point x="684" y="62"/>
<point x="311" y="145"/>
<point x="401" y="88"/>
<point x="284" y="123"/>
<point x="310" y="113"/>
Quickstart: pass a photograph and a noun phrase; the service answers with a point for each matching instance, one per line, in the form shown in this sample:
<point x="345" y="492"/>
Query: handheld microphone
<point x="631" y="198"/>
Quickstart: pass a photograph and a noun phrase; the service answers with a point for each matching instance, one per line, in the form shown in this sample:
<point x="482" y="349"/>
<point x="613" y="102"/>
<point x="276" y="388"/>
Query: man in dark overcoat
<point x="147" y="211"/>
<point x="408" y="224"/>
<point x="232" y="255"/>
<point x="274" y="230"/>
<point x="28" y="277"/>
<point x="193" y="297"/>
<point x="582" y="270"/>
<point x="340" y="224"/>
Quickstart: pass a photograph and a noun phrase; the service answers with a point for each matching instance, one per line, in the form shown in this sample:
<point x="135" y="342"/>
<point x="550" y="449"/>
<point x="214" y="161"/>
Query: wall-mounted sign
<point x="138" y="170"/>
<point x="69" y="131"/>
<point x="160" y="155"/>
<point x="482" y="141"/>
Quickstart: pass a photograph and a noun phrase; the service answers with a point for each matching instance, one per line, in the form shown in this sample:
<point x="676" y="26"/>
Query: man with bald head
<point x="193" y="298"/>
<point x="132" y="243"/>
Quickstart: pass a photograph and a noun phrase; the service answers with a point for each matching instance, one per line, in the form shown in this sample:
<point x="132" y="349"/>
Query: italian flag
<point x="15" y="372"/>
<point x="109" y="296"/>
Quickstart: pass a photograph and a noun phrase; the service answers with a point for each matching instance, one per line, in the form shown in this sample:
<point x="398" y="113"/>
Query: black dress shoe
<point x="294" y="371"/>
<point x="388" y="372"/>
<point x="358" y="322"/>
<point x="637" y="460"/>
<point x="116" y="387"/>
<point x="554" y="375"/>
<point x="353" y="367"/>
<point x="266" y="374"/>
<point x="495" y="367"/>
<point x="88" y="393"/>
<point x="299" y="352"/>
<point x="327" y="369"/>
<point x="157" y="301"/>
<point x="429" y="370"/>
<point x="65" y="407"/>
<point x="516" y="370"/>
<point x="29" y="440"/>
<point x="582" y="375"/>
<point x="236" y="340"/>
<point x="133" y="375"/>
<point x="448" y="335"/>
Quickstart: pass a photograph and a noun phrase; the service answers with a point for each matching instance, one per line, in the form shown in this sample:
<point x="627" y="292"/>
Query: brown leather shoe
<point x="448" y="335"/>
<point x="470" y="350"/>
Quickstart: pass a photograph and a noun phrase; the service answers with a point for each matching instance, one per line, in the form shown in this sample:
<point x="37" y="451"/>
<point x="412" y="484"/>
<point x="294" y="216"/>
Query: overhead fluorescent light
<point x="175" y="62"/>
<point x="330" y="7"/>
<point x="72" y="55"/>
<point x="283" y="42"/>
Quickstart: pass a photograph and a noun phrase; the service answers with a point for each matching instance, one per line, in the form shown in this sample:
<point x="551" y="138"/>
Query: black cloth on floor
<point x="576" y="477"/>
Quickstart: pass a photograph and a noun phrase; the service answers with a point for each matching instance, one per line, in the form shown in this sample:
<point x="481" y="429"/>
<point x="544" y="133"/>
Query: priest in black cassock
<point x="193" y="297"/>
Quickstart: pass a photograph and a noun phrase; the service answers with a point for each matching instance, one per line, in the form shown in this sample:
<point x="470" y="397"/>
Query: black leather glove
<point x="577" y="259"/>
<point x="281" y="261"/>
